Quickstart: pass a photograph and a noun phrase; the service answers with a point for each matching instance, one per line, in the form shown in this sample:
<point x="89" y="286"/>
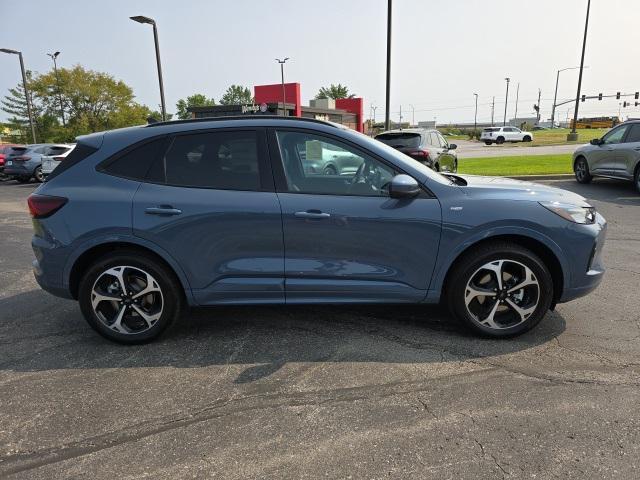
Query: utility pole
<point x="400" y="117"/>
<point x="493" y="108"/>
<point x="573" y="136"/>
<point x="515" y="115"/>
<point x="387" y="119"/>
<point x="539" y="94"/>
<point x="475" y="116"/>
<point x="55" y="69"/>
<point x="506" y="101"/>
<point x="413" y="116"/>
<point x="284" y="97"/>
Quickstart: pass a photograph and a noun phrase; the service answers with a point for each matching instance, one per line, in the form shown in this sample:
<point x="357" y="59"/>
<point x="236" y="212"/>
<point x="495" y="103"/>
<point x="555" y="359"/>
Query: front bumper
<point x="587" y="265"/>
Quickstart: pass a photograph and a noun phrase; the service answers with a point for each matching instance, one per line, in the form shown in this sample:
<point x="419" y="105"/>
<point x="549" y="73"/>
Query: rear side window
<point x="400" y="139"/>
<point x="491" y="130"/>
<point x="634" y="133"/>
<point x="134" y="162"/>
<point x="78" y="154"/>
<point x="223" y="160"/>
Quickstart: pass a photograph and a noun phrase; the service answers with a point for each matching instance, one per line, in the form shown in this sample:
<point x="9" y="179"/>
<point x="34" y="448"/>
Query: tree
<point x="236" y="95"/>
<point x="15" y="104"/>
<point x="335" y="92"/>
<point x="195" y="100"/>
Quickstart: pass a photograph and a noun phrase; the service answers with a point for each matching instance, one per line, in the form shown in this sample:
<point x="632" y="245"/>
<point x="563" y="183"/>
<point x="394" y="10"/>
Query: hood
<point x="510" y="189"/>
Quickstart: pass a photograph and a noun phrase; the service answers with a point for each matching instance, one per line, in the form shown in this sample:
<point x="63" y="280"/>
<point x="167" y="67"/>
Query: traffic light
<point x="637" y="95"/>
<point x="617" y="95"/>
<point x="624" y="104"/>
<point x="599" y="96"/>
<point x="636" y="104"/>
<point x="584" y="97"/>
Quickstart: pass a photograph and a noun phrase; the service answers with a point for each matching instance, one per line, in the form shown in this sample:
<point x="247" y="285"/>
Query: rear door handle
<point x="316" y="214"/>
<point x="164" y="210"/>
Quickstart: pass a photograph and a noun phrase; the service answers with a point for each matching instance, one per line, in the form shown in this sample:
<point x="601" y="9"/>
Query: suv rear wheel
<point x="500" y="290"/>
<point x="38" y="175"/>
<point x="488" y="142"/>
<point x="130" y="297"/>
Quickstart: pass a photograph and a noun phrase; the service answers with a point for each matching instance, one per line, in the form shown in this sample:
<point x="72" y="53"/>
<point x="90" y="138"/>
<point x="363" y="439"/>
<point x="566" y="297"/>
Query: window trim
<point x="280" y="178"/>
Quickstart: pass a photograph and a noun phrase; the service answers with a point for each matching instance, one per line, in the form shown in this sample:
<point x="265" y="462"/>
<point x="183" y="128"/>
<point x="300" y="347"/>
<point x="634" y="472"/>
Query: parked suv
<point x="5" y="149"/>
<point x="500" y="135"/>
<point x="428" y="147"/>
<point x="137" y="223"/>
<point x="615" y="155"/>
<point x="25" y="162"/>
<point x="55" y="155"/>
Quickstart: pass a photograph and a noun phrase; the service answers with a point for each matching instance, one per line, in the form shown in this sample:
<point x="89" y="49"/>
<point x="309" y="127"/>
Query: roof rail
<point x="240" y="117"/>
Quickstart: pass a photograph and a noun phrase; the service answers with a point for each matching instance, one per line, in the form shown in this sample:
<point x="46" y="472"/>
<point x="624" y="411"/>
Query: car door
<point x="345" y="239"/>
<point x="209" y="202"/>
<point x="603" y="159"/>
<point x="629" y="152"/>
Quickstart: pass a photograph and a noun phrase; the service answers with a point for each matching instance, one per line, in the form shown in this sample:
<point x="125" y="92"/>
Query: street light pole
<point x="413" y="116"/>
<point x="555" y="96"/>
<point x="475" y="116"/>
<point x="152" y="22"/>
<point x="573" y="136"/>
<point x="55" y="69"/>
<point x="506" y="100"/>
<point x="25" y="88"/>
<point x="515" y="115"/>
<point x="284" y="98"/>
<point x="387" y="118"/>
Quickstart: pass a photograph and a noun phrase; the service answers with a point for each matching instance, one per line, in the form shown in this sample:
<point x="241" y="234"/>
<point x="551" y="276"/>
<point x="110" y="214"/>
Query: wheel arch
<point x="546" y="254"/>
<point x="87" y="256"/>
<point x="578" y="157"/>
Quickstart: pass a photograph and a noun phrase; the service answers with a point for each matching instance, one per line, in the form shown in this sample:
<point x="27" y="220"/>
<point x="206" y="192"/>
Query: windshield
<point x="400" y="139"/>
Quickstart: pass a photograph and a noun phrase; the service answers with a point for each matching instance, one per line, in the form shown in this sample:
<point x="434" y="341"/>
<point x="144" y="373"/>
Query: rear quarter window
<point x="134" y="162"/>
<point x="78" y="154"/>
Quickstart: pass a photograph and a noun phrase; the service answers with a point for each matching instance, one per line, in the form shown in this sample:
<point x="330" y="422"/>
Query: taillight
<point x="22" y="158"/>
<point x="43" y="206"/>
<point x="58" y="159"/>
<point x="419" y="153"/>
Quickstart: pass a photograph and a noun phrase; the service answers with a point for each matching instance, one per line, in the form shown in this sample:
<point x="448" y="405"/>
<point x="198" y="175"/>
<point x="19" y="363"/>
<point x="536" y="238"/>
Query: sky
<point x="443" y="51"/>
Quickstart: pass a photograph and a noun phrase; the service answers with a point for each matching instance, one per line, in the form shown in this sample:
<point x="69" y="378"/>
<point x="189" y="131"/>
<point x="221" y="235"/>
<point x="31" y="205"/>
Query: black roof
<point x="240" y="117"/>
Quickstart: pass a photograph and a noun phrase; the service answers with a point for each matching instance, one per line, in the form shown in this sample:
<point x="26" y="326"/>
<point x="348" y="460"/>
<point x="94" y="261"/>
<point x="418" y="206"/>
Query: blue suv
<point x="139" y="223"/>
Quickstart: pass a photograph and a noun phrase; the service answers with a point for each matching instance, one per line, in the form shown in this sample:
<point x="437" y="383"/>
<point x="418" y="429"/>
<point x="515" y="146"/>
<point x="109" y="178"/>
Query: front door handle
<point x="163" y="210"/>
<point x="315" y="214"/>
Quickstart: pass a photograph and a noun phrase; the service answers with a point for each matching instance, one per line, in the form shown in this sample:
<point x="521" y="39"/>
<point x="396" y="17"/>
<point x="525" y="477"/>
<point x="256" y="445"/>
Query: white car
<point x="54" y="156"/>
<point x="500" y="135"/>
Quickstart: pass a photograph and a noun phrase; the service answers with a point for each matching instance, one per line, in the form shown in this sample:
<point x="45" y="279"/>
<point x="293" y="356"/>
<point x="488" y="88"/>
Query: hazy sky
<point x="443" y="50"/>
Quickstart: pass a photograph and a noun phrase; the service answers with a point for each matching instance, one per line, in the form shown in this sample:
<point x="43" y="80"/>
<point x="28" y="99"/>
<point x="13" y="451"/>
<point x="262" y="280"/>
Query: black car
<point x="428" y="147"/>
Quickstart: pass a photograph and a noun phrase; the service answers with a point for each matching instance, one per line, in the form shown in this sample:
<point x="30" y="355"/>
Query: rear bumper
<point x="17" y="170"/>
<point x="48" y="267"/>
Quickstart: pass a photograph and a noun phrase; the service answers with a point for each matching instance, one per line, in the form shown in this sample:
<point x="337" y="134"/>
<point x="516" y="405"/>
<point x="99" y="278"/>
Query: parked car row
<point x="36" y="161"/>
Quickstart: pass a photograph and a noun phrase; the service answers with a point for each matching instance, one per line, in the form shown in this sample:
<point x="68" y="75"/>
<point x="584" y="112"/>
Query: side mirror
<point x="452" y="146"/>
<point x="403" y="186"/>
<point x="596" y="141"/>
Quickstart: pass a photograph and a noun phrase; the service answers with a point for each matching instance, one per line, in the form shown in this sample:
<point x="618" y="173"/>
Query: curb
<point x="558" y="176"/>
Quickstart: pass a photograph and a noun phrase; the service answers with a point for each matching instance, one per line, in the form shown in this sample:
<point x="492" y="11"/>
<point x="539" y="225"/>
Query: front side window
<point x="320" y="165"/>
<point x="634" y="134"/>
<point x="615" y="135"/>
<point x="221" y="160"/>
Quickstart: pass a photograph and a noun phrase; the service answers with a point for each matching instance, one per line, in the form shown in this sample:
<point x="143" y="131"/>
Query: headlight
<point x="573" y="213"/>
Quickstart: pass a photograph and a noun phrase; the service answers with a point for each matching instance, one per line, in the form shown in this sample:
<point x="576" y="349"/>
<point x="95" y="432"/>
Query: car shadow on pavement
<point x="617" y="192"/>
<point x="39" y="332"/>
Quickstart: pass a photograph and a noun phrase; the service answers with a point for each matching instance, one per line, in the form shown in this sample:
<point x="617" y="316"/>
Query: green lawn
<point x="521" y="165"/>
<point x="558" y="136"/>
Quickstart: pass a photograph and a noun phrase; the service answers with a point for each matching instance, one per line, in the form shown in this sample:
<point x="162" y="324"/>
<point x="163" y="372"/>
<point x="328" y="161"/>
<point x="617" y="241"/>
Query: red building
<point x="268" y="100"/>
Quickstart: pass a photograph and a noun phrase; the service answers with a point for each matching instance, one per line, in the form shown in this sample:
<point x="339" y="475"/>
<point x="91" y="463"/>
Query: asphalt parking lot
<point x="332" y="392"/>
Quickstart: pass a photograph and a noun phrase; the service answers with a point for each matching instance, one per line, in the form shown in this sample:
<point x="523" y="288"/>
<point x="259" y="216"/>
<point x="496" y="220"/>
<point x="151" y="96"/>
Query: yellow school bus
<point x="596" y="122"/>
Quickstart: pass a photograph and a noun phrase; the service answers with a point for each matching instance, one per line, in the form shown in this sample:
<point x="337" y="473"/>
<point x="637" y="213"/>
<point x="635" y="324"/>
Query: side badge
<point x="456" y="209"/>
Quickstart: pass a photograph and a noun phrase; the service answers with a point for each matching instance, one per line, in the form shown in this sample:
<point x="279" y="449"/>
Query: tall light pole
<point x="53" y="56"/>
<point x="573" y="136"/>
<point x="515" y="115"/>
<point x="25" y="88"/>
<point x="284" y="98"/>
<point x="506" y="100"/>
<point x="493" y="109"/>
<point x="413" y="116"/>
<point x="475" y="116"/>
<point x="152" y="22"/>
<point x="555" y="96"/>
<point x="387" y="115"/>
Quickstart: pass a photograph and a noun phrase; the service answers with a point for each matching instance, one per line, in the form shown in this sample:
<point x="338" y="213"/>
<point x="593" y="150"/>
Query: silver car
<point x="615" y="155"/>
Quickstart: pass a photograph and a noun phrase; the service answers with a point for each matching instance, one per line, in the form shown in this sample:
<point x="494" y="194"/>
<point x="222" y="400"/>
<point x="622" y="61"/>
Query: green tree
<point x="15" y="104"/>
<point x="195" y="100"/>
<point x="236" y="95"/>
<point x="334" y="91"/>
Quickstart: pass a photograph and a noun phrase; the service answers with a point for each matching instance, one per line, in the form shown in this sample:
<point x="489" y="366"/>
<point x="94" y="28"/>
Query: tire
<point x="162" y="305"/>
<point x="488" y="142"/>
<point x="500" y="140"/>
<point x="38" y="175"/>
<point x="329" y="170"/>
<point x="526" y="138"/>
<point x="499" y="319"/>
<point x="581" y="171"/>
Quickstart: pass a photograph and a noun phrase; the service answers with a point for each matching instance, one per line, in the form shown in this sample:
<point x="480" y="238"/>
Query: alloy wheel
<point x="127" y="299"/>
<point x="581" y="170"/>
<point x="39" y="176"/>
<point x="502" y="294"/>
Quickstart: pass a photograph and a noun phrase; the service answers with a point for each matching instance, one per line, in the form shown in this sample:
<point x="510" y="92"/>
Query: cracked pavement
<point x="337" y="392"/>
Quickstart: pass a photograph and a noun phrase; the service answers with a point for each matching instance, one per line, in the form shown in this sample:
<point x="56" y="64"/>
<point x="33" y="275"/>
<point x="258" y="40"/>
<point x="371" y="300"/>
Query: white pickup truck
<point x="500" y="135"/>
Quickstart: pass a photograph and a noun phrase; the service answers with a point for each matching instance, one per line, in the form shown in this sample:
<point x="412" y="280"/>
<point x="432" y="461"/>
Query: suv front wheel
<point x="500" y="290"/>
<point x="581" y="171"/>
<point x="130" y="297"/>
